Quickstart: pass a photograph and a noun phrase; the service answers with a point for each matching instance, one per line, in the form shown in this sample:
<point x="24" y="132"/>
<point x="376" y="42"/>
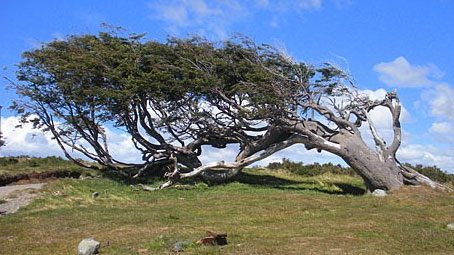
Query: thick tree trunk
<point x="376" y="171"/>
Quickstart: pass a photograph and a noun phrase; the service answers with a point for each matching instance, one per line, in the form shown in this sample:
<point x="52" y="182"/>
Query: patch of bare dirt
<point x="34" y="177"/>
<point x="17" y="196"/>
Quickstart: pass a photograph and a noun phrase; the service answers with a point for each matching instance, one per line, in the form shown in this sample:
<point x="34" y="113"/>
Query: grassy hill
<point x="10" y="166"/>
<point x="25" y="168"/>
<point x="263" y="212"/>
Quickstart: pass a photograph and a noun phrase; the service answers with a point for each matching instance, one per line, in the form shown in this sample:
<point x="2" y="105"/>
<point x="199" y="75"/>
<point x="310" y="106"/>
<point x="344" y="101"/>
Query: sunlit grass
<point x="262" y="212"/>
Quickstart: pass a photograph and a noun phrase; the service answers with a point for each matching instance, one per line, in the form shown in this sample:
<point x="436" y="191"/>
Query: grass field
<point x="262" y="212"/>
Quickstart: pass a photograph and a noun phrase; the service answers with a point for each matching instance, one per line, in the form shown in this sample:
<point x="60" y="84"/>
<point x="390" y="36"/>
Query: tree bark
<point x="376" y="171"/>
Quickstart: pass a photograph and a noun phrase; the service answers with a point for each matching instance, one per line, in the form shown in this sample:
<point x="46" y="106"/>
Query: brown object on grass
<point x="213" y="239"/>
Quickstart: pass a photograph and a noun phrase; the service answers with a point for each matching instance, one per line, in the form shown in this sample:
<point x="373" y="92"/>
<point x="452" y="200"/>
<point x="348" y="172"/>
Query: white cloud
<point x="212" y="155"/>
<point x="442" y="105"/>
<point x="442" y="127"/>
<point x="121" y="146"/>
<point x="26" y="140"/>
<point x="401" y="73"/>
<point x="427" y="155"/>
<point x="378" y="94"/>
<point x="443" y="131"/>
<point x="381" y="116"/>
<point x="211" y="18"/>
<point x="33" y="142"/>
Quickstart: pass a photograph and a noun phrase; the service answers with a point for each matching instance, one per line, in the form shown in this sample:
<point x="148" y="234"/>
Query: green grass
<point x="262" y="212"/>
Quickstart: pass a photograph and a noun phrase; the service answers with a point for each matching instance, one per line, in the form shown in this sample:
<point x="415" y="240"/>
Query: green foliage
<point x="87" y="81"/>
<point x="433" y="172"/>
<point x="33" y="163"/>
<point x="310" y="170"/>
<point x="179" y="95"/>
<point x="47" y="161"/>
<point x="8" y="161"/>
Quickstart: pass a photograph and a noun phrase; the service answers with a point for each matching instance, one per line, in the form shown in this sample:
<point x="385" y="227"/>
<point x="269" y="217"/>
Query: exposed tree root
<point x="412" y="177"/>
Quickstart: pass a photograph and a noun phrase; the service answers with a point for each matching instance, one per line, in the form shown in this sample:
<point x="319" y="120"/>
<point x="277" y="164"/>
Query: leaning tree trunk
<point x="381" y="170"/>
<point x="377" y="172"/>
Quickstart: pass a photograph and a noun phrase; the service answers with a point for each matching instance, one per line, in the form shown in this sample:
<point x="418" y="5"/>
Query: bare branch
<point x="234" y="165"/>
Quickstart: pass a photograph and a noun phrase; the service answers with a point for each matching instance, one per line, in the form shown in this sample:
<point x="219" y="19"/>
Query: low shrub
<point x="8" y="161"/>
<point x="311" y="169"/>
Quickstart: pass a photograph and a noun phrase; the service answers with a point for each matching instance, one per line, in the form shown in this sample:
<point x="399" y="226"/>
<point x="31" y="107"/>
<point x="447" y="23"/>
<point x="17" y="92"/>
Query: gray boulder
<point x="88" y="246"/>
<point x="379" y="193"/>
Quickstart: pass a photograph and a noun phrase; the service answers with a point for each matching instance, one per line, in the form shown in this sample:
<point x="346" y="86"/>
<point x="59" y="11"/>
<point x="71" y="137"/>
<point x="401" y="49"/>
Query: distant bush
<point x="33" y="162"/>
<point x="309" y="170"/>
<point x="433" y="172"/>
<point x="52" y="160"/>
<point x="8" y="161"/>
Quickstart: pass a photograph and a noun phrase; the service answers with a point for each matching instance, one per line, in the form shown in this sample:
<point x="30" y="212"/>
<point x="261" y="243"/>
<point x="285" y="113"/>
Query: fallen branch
<point x="147" y="188"/>
<point x="213" y="239"/>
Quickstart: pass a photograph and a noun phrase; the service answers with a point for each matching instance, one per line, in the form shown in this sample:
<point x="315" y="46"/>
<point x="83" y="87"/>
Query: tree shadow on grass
<point x="270" y="181"/>
<point x="125" y="178"/>
<point x="350" y="189"/>
<point x="258" y="180"/>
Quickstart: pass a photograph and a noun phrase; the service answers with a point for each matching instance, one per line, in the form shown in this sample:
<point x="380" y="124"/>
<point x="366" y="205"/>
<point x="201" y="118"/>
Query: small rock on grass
<point x="88" y="246"/>
<point x="450" y="226"/>
<point x="379" y="193"/>
<point x="179" y="246"/>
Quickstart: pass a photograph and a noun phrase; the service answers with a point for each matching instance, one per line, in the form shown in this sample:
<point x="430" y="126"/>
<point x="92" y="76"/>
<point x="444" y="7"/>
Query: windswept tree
<point x="174" y="98"/>
<point x="75" y="88"/>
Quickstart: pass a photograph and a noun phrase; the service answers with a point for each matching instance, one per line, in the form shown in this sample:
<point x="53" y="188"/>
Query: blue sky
<point x="385" y="45"/>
